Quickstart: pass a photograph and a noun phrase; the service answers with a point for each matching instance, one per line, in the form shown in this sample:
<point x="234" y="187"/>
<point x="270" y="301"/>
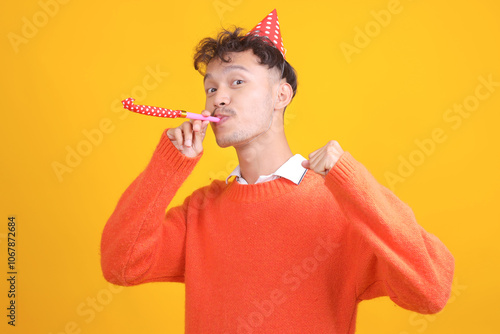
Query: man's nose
<point x="221" y="98"/>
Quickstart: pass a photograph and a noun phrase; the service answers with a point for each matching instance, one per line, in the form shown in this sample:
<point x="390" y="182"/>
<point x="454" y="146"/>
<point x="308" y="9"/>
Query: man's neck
<point x="263" y="156"/>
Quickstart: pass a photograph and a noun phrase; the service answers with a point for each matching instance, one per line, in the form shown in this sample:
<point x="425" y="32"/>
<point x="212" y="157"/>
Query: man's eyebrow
<point x="227" y="69"/>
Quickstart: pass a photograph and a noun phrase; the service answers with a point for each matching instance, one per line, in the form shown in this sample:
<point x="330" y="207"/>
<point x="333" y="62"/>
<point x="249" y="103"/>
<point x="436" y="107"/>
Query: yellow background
<point x="65" y="79"/>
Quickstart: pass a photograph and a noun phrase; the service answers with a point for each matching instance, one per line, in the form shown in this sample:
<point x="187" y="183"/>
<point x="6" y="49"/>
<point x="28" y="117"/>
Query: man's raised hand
<point x="188" y="137"/>
<point x="323" y="159"/>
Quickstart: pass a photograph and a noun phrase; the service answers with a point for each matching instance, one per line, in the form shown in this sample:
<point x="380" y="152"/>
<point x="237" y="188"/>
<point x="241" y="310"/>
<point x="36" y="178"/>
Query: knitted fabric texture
<point x="274" y="257"/>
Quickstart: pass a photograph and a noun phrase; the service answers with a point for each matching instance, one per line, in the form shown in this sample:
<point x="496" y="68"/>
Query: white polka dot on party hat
<point x="264" y="28"/>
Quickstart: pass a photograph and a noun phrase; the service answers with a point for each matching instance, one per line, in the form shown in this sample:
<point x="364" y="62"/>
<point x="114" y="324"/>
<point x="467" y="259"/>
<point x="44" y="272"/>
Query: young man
<point x="289" y="245"/>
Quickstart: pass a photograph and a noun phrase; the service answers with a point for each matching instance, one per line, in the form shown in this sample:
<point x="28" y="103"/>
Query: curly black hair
<point x="234" y="41"/>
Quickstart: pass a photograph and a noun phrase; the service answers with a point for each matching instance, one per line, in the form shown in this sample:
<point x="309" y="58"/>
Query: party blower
<point x="163" y="112"/>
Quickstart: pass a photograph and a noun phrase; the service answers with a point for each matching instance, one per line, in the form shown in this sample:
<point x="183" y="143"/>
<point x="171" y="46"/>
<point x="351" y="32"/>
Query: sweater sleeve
<point x="140" y="243"/>
<point x="394" y="255"/>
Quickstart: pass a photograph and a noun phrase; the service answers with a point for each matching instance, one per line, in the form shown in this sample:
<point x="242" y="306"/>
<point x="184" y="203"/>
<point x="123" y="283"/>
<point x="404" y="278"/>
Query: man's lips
<point x="223" y="116"/>
<point x="223" y="119"/>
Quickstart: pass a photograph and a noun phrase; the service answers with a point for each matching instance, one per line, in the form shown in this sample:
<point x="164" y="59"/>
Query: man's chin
<point x="223" y="143"/>
<point x="226" y="141"/>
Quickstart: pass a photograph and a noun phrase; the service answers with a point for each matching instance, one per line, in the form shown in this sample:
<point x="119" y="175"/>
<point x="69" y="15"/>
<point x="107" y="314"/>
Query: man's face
<point x="240" y="93"/>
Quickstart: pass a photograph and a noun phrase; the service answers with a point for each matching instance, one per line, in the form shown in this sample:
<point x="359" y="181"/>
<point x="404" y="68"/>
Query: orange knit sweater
<point x="274" y="257"/>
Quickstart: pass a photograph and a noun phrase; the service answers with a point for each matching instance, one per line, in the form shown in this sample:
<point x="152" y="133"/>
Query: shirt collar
<point x="292" y="170"/>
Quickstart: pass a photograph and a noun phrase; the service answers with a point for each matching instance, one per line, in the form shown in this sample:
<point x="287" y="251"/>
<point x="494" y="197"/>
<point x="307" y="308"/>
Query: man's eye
<point x="237" y="82"/>
<point x="211" y="90"/>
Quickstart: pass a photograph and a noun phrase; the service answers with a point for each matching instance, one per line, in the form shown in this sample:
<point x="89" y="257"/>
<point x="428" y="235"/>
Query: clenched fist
<point x="323" y="159"/>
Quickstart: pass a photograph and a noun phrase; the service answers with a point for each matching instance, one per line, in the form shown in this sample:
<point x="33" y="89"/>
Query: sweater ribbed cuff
<point x="166" y="155"/>
<point x="343" y="170"/>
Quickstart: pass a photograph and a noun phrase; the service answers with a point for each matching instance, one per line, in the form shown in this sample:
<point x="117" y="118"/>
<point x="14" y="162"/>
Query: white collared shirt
<point x="292" y="170"/>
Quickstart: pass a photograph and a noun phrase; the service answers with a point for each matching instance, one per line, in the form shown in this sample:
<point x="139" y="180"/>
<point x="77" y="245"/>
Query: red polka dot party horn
<point x="163" y="112"/>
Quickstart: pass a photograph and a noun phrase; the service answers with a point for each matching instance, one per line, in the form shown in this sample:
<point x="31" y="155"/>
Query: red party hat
<point x="270" y="27"/>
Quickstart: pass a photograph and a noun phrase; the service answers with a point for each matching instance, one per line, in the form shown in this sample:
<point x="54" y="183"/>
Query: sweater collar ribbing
<point x="262" y="191"/>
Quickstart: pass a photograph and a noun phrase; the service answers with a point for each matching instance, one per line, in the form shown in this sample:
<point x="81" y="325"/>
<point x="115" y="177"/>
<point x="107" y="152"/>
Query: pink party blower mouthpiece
<point x="162" y="112"/>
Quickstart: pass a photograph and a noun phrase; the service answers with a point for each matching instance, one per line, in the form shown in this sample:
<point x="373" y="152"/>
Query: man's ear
<point x="285" y="94"/>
